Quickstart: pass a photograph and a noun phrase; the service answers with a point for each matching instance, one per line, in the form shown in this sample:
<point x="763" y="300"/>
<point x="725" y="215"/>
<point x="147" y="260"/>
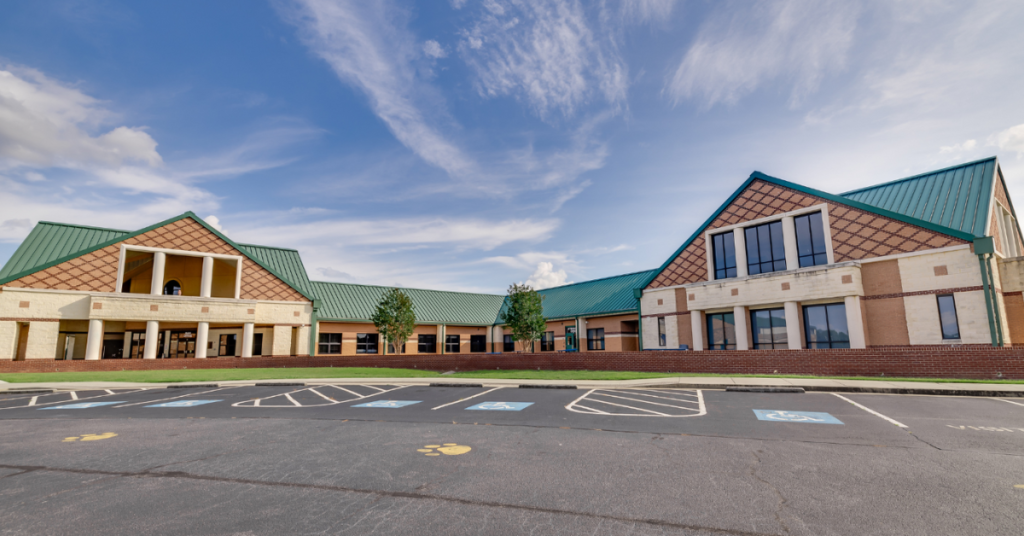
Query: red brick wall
<point x="980" y="362"/>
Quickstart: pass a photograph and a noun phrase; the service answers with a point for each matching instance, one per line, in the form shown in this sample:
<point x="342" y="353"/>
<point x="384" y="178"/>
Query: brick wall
<point x="979" y="362"/>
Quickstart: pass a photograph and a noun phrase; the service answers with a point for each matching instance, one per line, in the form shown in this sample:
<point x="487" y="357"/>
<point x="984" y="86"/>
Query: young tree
<point x="395" y="319"/>
<point x="524" y="315"/>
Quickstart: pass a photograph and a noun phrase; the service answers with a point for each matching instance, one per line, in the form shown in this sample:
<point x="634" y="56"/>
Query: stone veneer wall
<point x="977" y="362"/>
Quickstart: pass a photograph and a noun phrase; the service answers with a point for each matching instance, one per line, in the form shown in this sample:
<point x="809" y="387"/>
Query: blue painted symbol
<point x="387" y="404"/>
<point x="182" y="403"/>
<point x="83" y="405"/>
<point x="501" y="406"/>
<point x="778" y="415"/>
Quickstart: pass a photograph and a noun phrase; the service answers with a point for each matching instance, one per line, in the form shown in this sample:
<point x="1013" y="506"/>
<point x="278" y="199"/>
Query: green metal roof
<point x="351" y="302"/>
<point x="957" y="197"/>
<point x="286" y="262"/>
<point x="599" y="296"/>
<point x="49" y="241"/>
<point x="49" y="244"/>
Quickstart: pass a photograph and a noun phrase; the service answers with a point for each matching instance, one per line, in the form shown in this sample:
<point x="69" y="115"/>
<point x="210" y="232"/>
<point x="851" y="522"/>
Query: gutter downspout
<point x="313" y="327"/>
<point x="995" y="302"/>
<point x="983" y="247"/>
<point x="638" y="293"/>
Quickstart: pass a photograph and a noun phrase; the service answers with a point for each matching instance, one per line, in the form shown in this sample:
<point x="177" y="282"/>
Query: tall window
<point x="768" y="327"/>
<point x="947" y="317"/>
<point x="766" y="250"/>
<point x="721" y="331"/>
<point x="547" y="341"/>
<point x="228" y="344"/>
<point x="826" y="327"/>
<point x="427" y="344"/>
<point x="257" y="344"/>
<point x="172" y="288"/>
<point x="451" y="344"/>
<point x="595" y="339"/>
<point x="366" y="343"/>
<point x="724" y="254"/>
<point x="508" y="345"/>
<point x="330" y="343"/>
<point x="810" y="240"/>
<point x="478" y="343"/>
<point x="661" y="332"/>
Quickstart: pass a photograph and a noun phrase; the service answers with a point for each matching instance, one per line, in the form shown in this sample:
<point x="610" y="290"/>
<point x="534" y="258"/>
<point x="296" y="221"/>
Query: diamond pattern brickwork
<point x="97" y="271"/>
<point x="856" y="234"/>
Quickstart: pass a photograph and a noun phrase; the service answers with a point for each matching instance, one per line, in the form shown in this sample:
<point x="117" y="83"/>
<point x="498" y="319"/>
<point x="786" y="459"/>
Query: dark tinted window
<point x="721" y="331"/>
<point x="768" y="327"/>
<point x="724" y="253"/>
<point x="478" y="343"/>
<point x="661" y="331"/>
<point x="766" y="250"/>
<point x="172" y="288"/>
<point x="810" y="240"/>
<point x="366" y="343"/>
<point x="427" y="344"/>
<point x="451" y="344"/>
<point x="508" y="345"/>
<point x="330" y="343"/>
<point x="257" y="344"/>
<point x="947" y="317"/>
<point x="826" y="327"/>
<point x="547" y="341"/>
<point x="595" y="339"/>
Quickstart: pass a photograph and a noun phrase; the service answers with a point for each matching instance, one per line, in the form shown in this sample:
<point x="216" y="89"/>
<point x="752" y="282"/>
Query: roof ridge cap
<point x="61" y="224"/>
<point x="266" y="247"/>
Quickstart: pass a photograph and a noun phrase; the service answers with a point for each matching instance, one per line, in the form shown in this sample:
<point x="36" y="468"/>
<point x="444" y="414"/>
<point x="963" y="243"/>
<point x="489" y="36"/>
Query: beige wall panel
<point x="885" y="322"/>
<point x="880" y="278"/>
<point x="8" y="339"/>
<point x="649" y="301"/>
<point x="917" y="273"/>
<point x="43" y="305"/>
<point x="171" y="309"/>
<point x="803" y="285"/>
<point x="1011" y="275"/>
<point x="283" y="313"/>
<point x="923" y="318"/>
<point x="302" y="340"/>
<point x="42" y="340"/>
<point x="282" y="341"/>
<point x="684" y="327"/>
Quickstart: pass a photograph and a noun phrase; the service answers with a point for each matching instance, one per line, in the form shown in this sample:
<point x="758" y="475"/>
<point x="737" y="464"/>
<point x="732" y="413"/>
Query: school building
<point x="931" y="259"/>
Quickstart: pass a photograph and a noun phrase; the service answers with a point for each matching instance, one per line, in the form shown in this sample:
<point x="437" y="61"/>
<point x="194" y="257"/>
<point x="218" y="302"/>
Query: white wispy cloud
<point x="434" y="49"/>
<point x="646" y="10"/>
<point x="546" y="277"/>
<point x="1011" y="139"/>
<point x="368" y="46"/>
<point x="545" y="53"/>
<point x="743" y="46"/>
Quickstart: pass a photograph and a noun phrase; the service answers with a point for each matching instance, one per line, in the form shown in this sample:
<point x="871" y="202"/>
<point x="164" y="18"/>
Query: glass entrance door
<point x="570" y="339"/>
<point x="183" y="344"/>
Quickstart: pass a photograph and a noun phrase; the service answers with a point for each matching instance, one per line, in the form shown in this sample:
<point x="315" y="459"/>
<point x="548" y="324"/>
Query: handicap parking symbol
<point x="501" y="406"/>
<point x="83" y="405"/>
<point x="182" y="403"/>
<point x="387" y="404"/>
<point x="778" y="415"/>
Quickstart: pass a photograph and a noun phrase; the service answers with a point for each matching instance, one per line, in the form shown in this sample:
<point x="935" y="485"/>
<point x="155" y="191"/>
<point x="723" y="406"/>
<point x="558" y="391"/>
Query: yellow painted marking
<point x="431" y="446"/>
<point x="90" y="437"/>
<point x="432" y="454"/>
<point x="1019" y="486"/>
<point x="424" y="450"/>
<point x="449" y="449"/>
<point x="450" y="444"/>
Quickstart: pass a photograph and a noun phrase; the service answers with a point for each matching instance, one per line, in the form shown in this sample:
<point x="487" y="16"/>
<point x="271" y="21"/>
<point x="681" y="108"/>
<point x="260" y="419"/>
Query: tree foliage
<point x="524" y="315"/>
<point x="395" y="318"/>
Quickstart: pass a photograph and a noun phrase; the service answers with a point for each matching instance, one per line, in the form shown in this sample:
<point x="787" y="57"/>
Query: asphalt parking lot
<point x="394" y="459"/>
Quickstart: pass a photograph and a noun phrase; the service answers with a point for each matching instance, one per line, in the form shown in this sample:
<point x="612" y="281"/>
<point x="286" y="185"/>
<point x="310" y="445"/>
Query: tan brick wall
<point x="97" y="271"/>
<point x="856" y="234"/>
<point x="1014" y="304"/>
<point x="885" y="321"/>
<point x="881" y="278"/>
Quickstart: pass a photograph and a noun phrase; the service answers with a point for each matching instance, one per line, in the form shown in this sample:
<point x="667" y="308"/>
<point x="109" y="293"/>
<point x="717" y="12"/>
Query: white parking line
<point x="637" y="393"/>
<point x="296" y="404"/>
<point x="871" y="411"/>
<point x="1009" y="401"/>
<point x="109" y="392"/>
<point x="464" y="399"/>
<point x="591" y="396"/>
<point x="323" y="396"/>
<point x="33" y="401"/>
<point x="629" y="407"/>
<point x="74" y="396"/>
<point x="172" y="398"/>
<point x="66" y="401"/>
<point x="289" y="397"/>
<point x="639" y="400"/>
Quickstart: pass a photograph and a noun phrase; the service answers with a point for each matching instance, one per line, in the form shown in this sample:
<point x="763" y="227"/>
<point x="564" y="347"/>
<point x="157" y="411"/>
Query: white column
<point x="247" y="339"/>
<point x="499" y="339"/>
<point x="152" y="338"/>
<point x="796" y="342"/>
<point x="207" y="282"/>
<point x="302" y="341"/>
<point x="202" y="339"/>
<point x="739" y="315"/>
<point x="789" y="240"/>
<point x="740" y="240"/>
<point x="126" y="352"/>
<point x="9" y="330"/>
<point x="282" y="343"/>
<point x="581" y="334"/>
<point x="855" y="322"/>
<point x="440" y="339"/>
<point x="94" y="344"/>
<point x="697" y="327"/>
<point x="159" y="261"/>
<point x="167" y="343"/>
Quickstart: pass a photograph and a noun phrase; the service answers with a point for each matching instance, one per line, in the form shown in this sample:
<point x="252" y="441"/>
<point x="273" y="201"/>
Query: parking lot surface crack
<point x="781" y="505"/>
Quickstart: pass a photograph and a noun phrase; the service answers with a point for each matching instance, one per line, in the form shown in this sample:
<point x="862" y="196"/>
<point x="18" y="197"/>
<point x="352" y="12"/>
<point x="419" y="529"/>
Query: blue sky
<point x="468" y="144"/>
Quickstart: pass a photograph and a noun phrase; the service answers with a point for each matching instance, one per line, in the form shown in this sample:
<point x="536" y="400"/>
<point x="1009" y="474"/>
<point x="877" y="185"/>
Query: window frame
<point x="167" y="284"/>
<point x="426" y="343"/>
<point x="724" y="271"/>
<point x="449" y="344"/>
<point x="726" y="344"/>
<point x="831" y="344"/>
<point x="595" y="336"/>
<point x="774" y="345"/>
<point x="811" y="231"/>
<point x="547" y="341"/>
<point x="329" y="342"/>
<point x="370" y="343"/>
<point x="956" y="318"/>
<point x="507" y="343"/>
<point x="478" y="339"/>
<point x="662" y="336"/>
<point x="752" y="239"/>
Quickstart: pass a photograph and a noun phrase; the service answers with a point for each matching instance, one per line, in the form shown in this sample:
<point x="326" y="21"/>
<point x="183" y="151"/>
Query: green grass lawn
<point x="214" y="375"/>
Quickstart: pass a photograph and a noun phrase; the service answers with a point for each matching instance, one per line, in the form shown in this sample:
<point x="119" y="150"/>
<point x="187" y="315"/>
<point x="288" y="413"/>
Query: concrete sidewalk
<point x="848" y="386"/>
